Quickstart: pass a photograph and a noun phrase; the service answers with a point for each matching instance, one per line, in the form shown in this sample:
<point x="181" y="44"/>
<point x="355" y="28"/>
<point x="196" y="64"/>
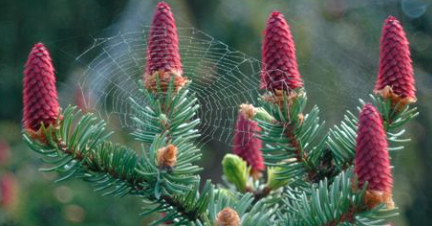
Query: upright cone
<point x="372" y="163"/>
<point x="163" y="56"/>
<point x="279" y="62"/>
<point x="246" y="144"/>
<point x="40" y="93"/>
<point x="395" y="78"/>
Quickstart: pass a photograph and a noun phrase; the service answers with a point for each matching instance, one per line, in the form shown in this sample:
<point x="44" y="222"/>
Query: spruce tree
<point x="342" y="177"/>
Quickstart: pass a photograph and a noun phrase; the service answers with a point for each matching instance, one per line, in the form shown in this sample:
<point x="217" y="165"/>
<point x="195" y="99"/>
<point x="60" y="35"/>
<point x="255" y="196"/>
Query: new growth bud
<point x="167" y="156"/>
<point x="372" y="163"/>
<point x="227" y="217"/>
<point x="236" y="171"/>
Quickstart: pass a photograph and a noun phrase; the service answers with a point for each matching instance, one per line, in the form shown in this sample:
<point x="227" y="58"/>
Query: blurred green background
<point x="337" y="46"/>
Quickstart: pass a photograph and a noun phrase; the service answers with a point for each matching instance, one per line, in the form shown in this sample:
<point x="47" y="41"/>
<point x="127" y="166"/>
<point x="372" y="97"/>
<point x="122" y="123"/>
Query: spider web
<point x="222" y="78"/>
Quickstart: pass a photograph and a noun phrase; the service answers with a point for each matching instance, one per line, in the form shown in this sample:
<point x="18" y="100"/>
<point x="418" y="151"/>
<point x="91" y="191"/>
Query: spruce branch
<point x="341" y="139"/>
<point x="343" y="178"/>
<point x="394" y="92"/>
<point x="79" y="148"/>
<point x="292" y="140"/>
<point x="176" y="179"/>
<point x="249" y="212"/>
<point x="171" y="112"/>
<point x="333" y="204"/>
<point x="342" y="142"/>
<point x="189" y="208"/>
<point x="168" y="122"/>
<point x="372" y="168"/>
<point x="163" y="174"/>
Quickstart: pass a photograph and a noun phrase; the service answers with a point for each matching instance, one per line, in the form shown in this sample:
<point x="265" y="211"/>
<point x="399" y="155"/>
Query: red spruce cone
<point x="8" y="191"/>
<point x="279" y="62"/>
<point x="246" y="144"/>
<point x="372" y="163"/>
<point x="163" y="56"/>
<point x="396" y="75"/>
<point x="40" y="93"/>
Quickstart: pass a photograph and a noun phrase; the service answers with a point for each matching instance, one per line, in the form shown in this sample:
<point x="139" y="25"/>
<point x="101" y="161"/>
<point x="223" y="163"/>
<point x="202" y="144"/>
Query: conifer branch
<point x="341" y="139"/>
<point x="291" y="139"/>
<point x="394" y="92"/>
<point x="343" y="178"/>
<point x="296" y="135"/>
<point x="79" y="148"/>
<point x="332" y="204"/>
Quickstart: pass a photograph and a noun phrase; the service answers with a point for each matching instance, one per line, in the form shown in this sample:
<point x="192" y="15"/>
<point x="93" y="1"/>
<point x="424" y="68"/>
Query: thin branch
<point x="134" y="184"/>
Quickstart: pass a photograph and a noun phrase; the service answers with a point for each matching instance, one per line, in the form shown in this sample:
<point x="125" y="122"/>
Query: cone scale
<point x="40" y="94"/>
<point x="163" y="55"/>
<point x="246" y="144"/>
<point x="372" y="162"/>
<point x="395" y="78"/>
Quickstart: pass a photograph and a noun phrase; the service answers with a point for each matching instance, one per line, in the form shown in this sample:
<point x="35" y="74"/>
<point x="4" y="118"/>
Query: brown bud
<point x="227" y="217"/>
<point x="40" y="135"/>
<point x="256" y="173"/>
<point x="167" y="156"/>
<point x="373" y="198"/>
<point x="150" y="80"/>
<point x="248" y="111"/>
<point x="300" y="118"/>
<point x="277" y="97"/>
<point x="388" y="93"/>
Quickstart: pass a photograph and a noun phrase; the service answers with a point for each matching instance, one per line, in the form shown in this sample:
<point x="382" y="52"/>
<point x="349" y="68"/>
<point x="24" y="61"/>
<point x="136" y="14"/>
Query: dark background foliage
<point x="338" y="46"/>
